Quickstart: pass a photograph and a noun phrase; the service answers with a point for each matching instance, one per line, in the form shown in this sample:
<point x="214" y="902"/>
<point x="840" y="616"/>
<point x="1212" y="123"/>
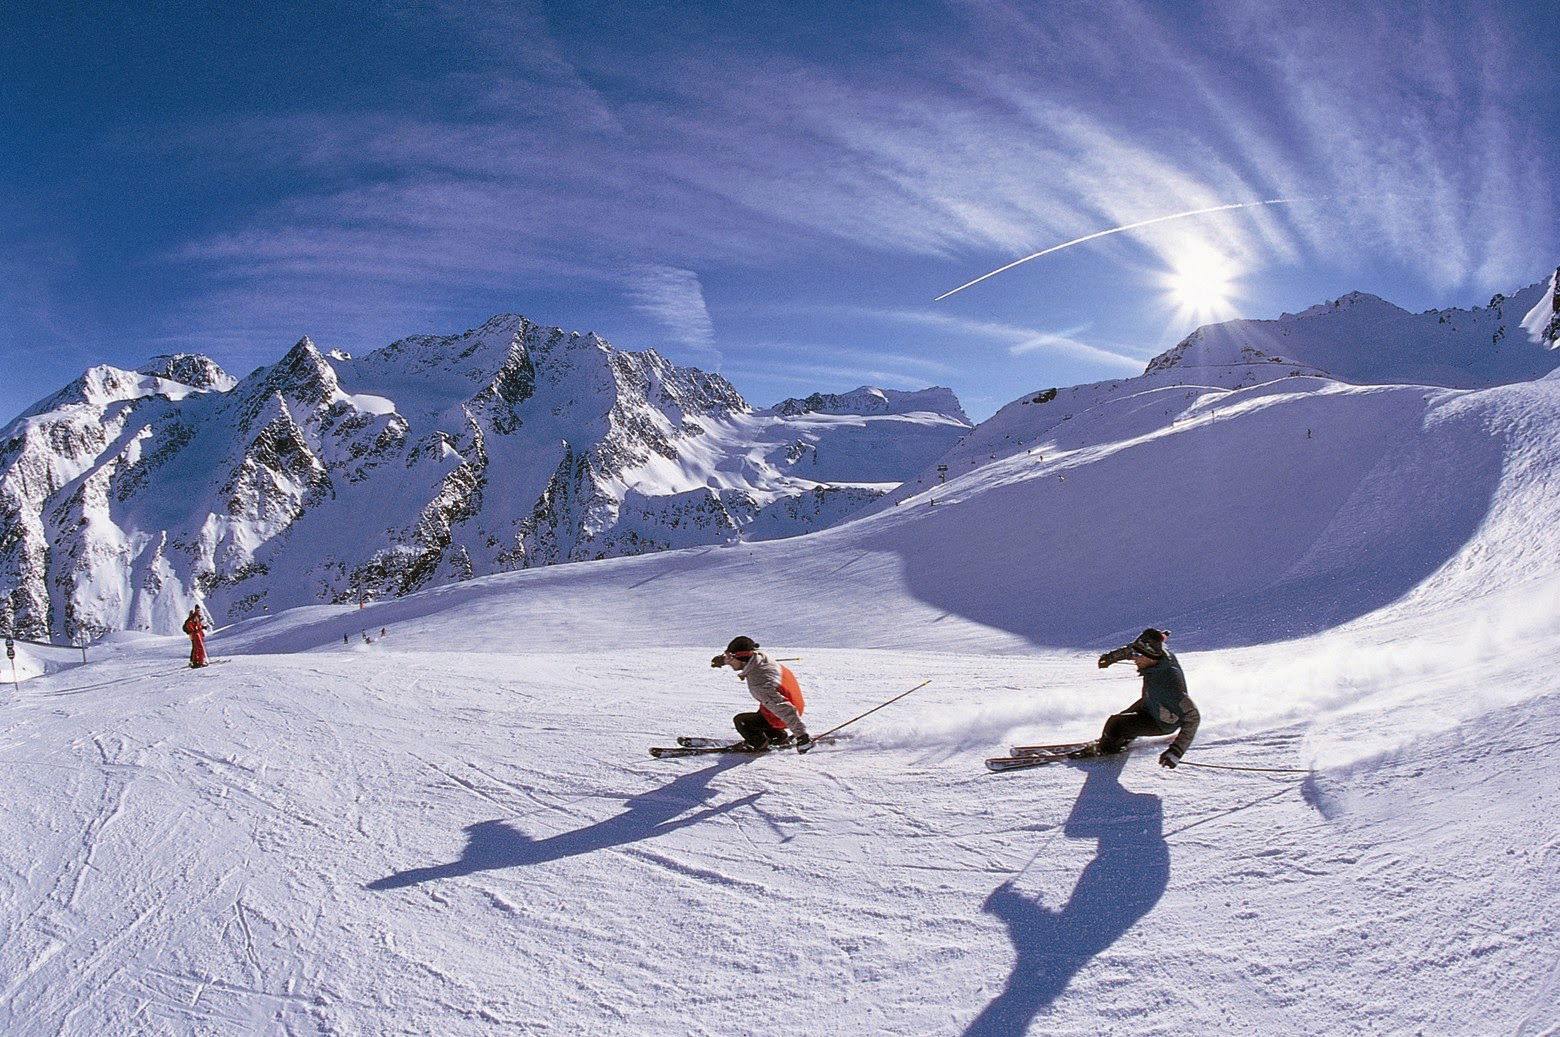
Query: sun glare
<point x="1202" y="285"/>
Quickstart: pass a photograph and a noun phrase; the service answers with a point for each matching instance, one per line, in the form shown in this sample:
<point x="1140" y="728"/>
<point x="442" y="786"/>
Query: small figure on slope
<point x="1164" y="705"/>
<point x="776" y="690"/>
<point x="195" y="626"/>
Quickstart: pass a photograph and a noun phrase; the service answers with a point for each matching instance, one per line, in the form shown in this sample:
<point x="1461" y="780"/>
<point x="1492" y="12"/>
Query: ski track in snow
<point x="397" y="842"/>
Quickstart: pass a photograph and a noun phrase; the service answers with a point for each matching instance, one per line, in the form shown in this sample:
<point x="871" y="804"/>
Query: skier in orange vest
<point x="777" y="692"/>
<point x="196" y="627"/>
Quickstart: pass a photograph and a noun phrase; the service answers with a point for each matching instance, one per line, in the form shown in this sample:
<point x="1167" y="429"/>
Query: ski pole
<point x="869" y="712"/>
<point x="1265" y="770"/>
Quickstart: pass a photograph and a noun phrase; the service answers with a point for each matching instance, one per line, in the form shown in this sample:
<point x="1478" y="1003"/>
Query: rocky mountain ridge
<point x="871" y="400"/>
<point x="129" y="496"/>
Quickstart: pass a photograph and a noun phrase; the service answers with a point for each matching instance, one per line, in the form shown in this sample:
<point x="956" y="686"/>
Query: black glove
<point x="1104" y="661"/>
<point x="1170" y="757"/>
<point x="804" y="742"/>
<point x="718" y="661"/>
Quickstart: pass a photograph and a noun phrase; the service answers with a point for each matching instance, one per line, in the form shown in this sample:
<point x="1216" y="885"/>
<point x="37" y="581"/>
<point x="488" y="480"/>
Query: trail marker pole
<point x="852" y="720"/>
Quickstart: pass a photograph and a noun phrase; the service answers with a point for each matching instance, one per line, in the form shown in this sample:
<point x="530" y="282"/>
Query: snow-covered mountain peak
<point x="1363" y="339"/>
<point x="1348" y="301"/>
<point x="869" y="399"/>
<point x="303" y="373"/>
<point x="193" y="369"/>
<point x="502" y="324"/>
<point x="104" y="385"/>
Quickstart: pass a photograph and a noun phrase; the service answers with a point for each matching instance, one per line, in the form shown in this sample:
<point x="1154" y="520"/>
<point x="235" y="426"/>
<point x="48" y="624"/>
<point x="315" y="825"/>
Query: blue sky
<point x="777" y="191"/>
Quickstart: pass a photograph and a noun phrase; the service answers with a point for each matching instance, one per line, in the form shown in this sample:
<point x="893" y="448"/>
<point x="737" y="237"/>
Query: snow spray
<point x="874" y="709"/>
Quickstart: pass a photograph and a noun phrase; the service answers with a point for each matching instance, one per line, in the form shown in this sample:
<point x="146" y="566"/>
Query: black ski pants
<point x="755" y="730"/>
<point x="1121" y="728"/>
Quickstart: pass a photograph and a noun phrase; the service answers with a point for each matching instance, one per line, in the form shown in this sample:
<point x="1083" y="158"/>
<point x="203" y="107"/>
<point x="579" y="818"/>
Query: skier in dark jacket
<point x="1164" y="705"/>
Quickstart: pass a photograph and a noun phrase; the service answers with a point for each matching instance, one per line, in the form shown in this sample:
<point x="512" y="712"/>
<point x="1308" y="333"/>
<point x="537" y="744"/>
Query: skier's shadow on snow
<point x="1125" y="880"/>
<point x="492" y="845"/>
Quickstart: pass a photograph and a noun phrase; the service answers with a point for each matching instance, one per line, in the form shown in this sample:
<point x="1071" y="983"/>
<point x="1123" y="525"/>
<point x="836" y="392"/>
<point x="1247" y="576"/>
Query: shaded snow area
<point x="454" y="827"/>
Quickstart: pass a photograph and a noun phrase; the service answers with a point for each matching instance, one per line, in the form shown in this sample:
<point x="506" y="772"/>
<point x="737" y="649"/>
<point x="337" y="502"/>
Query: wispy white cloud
<point x="813" y="377"/>
<point x="886" y="368"/>
<point x="674" y="298"/>
<point x="1411" y="119"/>
<point x="1065" y="340"/>
<point x="1018" y="339"/>
<point x="1019" y="128"/>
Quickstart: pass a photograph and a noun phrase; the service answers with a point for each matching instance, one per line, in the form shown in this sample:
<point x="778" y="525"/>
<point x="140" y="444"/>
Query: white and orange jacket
<point x="777" y="692"/>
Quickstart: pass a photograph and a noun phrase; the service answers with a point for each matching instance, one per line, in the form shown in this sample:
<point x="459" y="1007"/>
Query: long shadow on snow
<point x="1122" y="884"/>
<point x="491" y="845"/>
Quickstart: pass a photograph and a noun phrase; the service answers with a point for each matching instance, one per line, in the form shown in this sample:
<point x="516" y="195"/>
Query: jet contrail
<point x="1116" y="230"/>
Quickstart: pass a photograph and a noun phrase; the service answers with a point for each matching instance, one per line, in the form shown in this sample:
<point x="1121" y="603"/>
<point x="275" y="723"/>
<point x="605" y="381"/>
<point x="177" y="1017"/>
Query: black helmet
<point x="1151" y="642"/>
<point x="740" y="645"/>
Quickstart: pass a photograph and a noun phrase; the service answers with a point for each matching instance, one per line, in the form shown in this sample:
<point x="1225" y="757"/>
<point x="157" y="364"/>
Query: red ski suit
<point x="197" y="632"/>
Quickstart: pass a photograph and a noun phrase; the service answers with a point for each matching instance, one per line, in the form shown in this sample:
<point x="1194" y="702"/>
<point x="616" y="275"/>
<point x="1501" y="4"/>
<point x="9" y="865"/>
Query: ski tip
<point x="1056" y="749"/>
<point x="1013" y="763"/>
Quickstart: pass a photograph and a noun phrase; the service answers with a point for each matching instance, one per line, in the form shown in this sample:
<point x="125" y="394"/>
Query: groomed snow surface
<point x="455" y="828"/>
<point x="388" y="838"/>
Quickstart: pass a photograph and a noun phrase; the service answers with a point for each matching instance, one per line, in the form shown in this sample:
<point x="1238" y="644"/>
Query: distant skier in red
<point x="777" y="692"/>
<point x="195" y="626"/>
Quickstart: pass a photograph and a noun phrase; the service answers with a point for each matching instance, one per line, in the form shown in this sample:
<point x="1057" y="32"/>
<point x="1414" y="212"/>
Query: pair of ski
<point x="691" y="746"/>
<point x="1022" y="756"/>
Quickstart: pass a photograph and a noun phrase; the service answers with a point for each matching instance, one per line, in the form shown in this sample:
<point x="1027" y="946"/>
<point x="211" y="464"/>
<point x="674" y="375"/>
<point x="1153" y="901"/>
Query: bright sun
<point x="1202" y="283"/>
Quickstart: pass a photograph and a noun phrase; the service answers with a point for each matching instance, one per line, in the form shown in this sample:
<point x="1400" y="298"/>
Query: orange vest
<point x="791" y="691"/>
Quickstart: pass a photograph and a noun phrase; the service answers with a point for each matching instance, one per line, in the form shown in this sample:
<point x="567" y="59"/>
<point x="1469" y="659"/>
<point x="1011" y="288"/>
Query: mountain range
<point x="129" y="496"/>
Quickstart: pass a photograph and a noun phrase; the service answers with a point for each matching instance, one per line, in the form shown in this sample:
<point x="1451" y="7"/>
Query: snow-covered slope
<point x="435" y="814"/>
<point x="1236" y="516"/>
<point x="1260" y="513"/>
<point x="130" y="496"/>
<point x="453" y="828"/>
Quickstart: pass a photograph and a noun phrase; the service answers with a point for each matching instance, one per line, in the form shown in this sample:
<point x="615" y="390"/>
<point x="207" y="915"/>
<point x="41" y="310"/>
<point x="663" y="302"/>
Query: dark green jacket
<point x="1164" y="697"/>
